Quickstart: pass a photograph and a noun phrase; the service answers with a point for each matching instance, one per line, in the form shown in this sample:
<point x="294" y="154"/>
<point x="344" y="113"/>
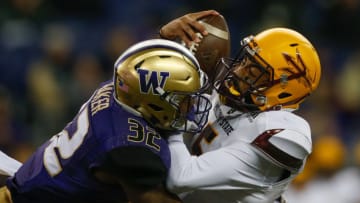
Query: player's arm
<point x="141" y="174"/>
<point x="214" y="169"/>
<point x="219" y="168"/>
<point x="8" y="165"/>
<point x="185" y="27"/>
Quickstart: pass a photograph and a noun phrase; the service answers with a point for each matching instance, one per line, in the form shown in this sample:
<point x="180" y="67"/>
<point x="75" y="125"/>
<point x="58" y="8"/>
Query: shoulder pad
<point x="285" y="139"/>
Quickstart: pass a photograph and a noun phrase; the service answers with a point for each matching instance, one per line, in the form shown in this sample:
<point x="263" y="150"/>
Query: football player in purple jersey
<point x="115" y="149"/>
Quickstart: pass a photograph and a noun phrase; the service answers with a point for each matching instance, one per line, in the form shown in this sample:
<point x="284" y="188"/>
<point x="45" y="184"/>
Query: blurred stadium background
<point x="53" y="54"/>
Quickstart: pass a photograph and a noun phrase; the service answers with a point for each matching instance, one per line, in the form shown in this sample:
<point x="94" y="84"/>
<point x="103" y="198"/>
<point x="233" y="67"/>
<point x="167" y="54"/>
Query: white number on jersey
<point x="65" y="144"/>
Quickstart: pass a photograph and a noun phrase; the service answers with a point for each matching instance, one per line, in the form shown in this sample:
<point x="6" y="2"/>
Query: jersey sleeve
<point x="217" y="169"/>
<point x="285" y="139"/>
<point x="8" y="166"/>
<point x="293" y="142"/>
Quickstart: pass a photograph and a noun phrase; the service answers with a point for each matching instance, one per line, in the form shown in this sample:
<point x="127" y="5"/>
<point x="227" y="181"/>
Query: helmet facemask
<point x="243" y="78"/>
<point x="191" y="110"/>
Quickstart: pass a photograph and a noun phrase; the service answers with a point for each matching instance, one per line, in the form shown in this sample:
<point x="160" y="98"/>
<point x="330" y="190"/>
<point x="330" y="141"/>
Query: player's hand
<point x="185" y="27"/>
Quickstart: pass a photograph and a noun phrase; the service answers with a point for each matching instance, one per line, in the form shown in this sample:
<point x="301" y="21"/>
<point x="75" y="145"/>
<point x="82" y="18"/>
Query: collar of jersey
<point x="127" y="108"/>
<point x="226" y="110"/>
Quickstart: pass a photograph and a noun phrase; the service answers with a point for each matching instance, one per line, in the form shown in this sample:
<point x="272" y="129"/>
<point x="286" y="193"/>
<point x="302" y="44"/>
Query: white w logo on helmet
<point x="152" y="80"/>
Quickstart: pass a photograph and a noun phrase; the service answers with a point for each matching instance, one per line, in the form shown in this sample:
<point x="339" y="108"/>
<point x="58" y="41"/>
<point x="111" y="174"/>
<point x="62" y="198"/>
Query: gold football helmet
<point x="163" y="81"/>
<point x="275" y="69"/>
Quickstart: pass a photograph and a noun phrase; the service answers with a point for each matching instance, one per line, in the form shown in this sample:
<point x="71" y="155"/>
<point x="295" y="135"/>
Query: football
<point x="214" y="45"/>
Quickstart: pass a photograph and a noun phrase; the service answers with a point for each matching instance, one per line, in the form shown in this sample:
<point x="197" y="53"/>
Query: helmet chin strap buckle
<point x="261" y="100"/>
<point x="163" y="94"/>
<point x="283" y="80"/>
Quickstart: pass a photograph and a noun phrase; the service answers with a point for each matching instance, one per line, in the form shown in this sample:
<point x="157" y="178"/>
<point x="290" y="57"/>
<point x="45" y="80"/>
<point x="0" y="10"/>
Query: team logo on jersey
<point x="151" y="79"/>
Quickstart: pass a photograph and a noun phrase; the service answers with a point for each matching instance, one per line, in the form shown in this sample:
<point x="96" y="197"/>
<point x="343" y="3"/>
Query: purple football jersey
<point x="60" y="170"/>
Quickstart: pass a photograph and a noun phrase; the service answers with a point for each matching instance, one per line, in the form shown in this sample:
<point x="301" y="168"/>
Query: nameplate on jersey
<point x="221" y="120"/>
<point x="101" y="99"/>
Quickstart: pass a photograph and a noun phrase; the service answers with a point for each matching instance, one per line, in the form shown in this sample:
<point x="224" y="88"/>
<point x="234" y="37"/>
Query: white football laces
<point x="193" y="47"/>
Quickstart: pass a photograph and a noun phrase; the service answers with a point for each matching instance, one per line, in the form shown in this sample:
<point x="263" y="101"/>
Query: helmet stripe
<point x="157" y="43"/>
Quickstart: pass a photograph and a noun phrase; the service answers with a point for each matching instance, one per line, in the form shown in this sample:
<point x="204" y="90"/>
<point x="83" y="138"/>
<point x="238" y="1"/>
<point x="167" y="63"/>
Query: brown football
<point x="214" y="45"/>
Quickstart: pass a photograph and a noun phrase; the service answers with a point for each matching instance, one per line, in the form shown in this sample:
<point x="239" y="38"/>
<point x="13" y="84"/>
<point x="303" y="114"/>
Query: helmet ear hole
<point x="164" y="56"/>
<point x="138" y="65"/>
<point x="155" y="107"/>
<point x="284" y="95"/>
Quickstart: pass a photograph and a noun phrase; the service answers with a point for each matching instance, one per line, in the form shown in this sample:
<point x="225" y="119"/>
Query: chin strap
<point x="163" y="94"/>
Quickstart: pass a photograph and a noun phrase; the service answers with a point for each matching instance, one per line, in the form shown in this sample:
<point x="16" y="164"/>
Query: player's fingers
<point x="195" y="25"/>
<point x="202" y="14"/>
<point x="199" y="27"/>
<point x="173" y="30"/>
<point x="193" y="17"/>
<point x="185" y="38"/>
<point x="189" y="35"/>
<point x="190" y="29"/>
<point x="191" y="26"/>
<point x="187" y="41"/>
